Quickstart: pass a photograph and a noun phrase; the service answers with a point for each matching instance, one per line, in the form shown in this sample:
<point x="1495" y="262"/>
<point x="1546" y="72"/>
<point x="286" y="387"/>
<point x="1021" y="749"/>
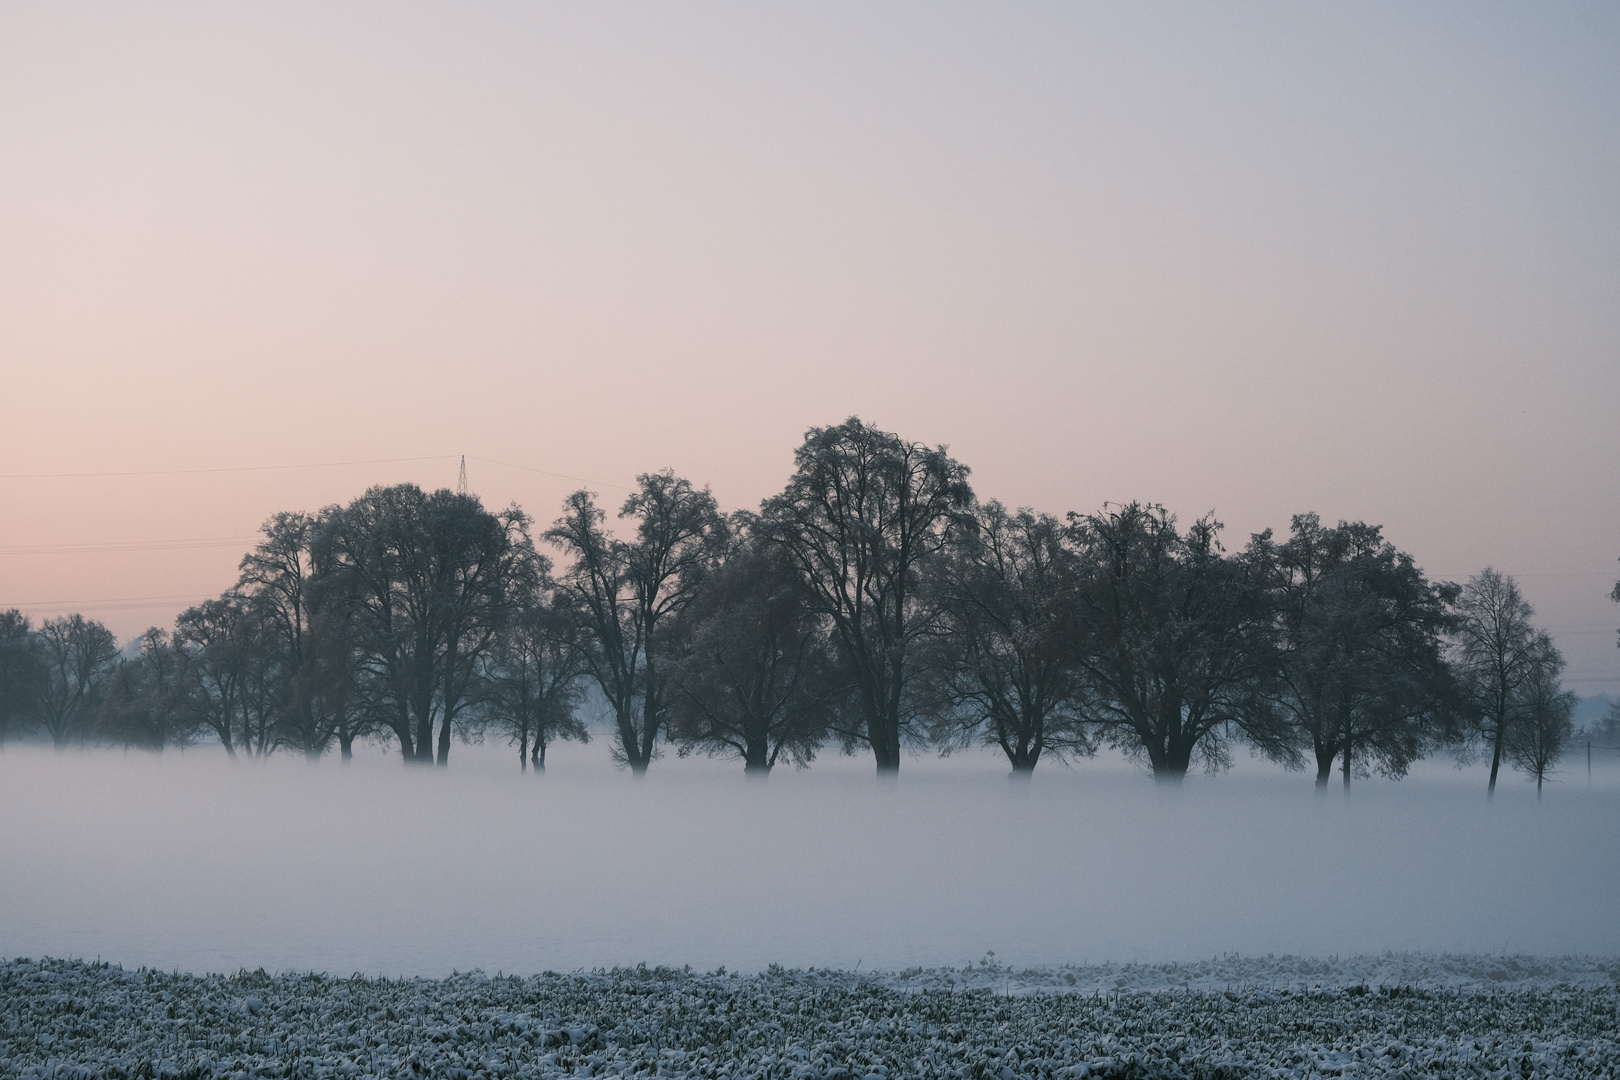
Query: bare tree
<point x="146" y="703"/>
<point x="1002" y="669"/>
<point x="1175" y="637"/>
<point x="750" y="669"/>
<point x="1614" y="595"/>
<point x="355" y="560"/>
<point x="1542" y="725"/>
<point x="531" y="689"/>
<point x="1360" y="673"/>
<point x="216" y="640"/>
<point x="862" y="514"/>
<point x="21" y="672"/>
<point x="77" y="654"/>
<point x="425" y="583"/>
<point x="622" y="591"/>
<point x="275" y="579"/>
<point x="328" y="703"/>
<point x="1606" y="730"/>
<point x="1497" y="655"/>
<point x="310" y="675"/>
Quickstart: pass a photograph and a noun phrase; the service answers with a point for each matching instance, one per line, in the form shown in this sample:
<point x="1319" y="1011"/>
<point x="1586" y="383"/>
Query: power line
<point x="105" y="602"/>
<point x="308" y="465"/>
<point x="548" y="472"/>
<point x="227" y="541"/>
<point x="222" y="469"/>
<point x="566" y="476"/>
<point x="127" y="545"/>
<point x="1558" y="574"/>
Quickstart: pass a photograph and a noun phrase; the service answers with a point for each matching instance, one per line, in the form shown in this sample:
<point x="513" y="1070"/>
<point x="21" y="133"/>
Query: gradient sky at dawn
<point x="1260" y="259"/>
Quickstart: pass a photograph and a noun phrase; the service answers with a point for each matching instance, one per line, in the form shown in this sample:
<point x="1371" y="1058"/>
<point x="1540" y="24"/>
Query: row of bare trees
<point x="874" y="603"/>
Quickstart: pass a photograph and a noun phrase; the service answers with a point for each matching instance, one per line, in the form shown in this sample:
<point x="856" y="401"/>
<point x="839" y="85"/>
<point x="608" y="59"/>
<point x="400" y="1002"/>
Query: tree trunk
<point x="883" y="725"/>
<point x="407" y="745"/>
<point x="1170" y="765"/>
<point x="444" y="740"/>
<point x="756" y="756"/>
<point x="885" y="739"/>
<point x="650" y="721"/>
<point x="424" y="732"/>
<point x="523" y="751"/>
<point x="630" y="741"/>
<point x="346" y="744"/>
<point x="1022" y="755"/>
<point x="1496" y="760"/>
<point x="888" y="762"/>
<point x="1324" y="766"/>
<point x="1347" y="768"/>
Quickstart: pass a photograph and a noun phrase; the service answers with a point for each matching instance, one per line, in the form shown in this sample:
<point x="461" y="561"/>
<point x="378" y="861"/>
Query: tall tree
<point x="1360" y="673"/>
<point x="1497" y="654"/>
<point x="313" y="653"/>
<point x="862" y="514"/>
<point x="623" y="591"/>
<point x="425" y="582"/>
<point x="219" y="642"/>
<point x="328" y="703"/>
<point x="1002" y="669"/>
<point x="146" y="702"/>
<point x="77" y="654"/>
<point x="358" y="556"/>
<point x="21" y="673"/>
<point x="532" y="681"/>
<point x="275" y="579"/>
<point x="1174" y="637"/>
<point x="485" y="563"/>
<point x="750" y="669"/>
<point x="1614" y="594"/>
<point x="1543" y="725"/>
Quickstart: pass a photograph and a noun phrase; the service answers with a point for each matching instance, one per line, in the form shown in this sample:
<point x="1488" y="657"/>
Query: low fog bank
<point x="191" y="862"/>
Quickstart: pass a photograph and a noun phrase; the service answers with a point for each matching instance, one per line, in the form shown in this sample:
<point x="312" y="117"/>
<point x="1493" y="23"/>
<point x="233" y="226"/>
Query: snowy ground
<point x="1437" y="1017"/>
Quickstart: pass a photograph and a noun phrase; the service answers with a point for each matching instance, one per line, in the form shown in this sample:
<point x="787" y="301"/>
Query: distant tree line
<point x="873" y="604"/>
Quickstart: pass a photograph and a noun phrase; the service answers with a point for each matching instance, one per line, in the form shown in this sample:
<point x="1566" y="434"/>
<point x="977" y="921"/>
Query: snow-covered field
<point x="187" y="862"/>
<point x="1514" y="1017"/>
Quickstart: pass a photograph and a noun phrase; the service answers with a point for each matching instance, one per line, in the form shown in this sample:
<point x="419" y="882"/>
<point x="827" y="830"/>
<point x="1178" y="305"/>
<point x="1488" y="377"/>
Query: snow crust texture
<point x="1467" y="1017"/>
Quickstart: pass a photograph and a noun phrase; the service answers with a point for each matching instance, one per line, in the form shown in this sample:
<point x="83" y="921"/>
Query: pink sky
<point x="1262" y="261"/>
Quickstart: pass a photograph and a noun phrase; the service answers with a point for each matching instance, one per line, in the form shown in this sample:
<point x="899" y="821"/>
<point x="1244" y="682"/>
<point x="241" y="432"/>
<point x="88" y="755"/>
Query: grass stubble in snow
<point x="1091" y="884"/>
<point x="1474" y="1017"/>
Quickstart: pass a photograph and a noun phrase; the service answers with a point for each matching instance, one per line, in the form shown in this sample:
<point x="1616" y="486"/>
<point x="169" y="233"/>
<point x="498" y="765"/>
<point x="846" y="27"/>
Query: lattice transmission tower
<point x="461" y="481"/>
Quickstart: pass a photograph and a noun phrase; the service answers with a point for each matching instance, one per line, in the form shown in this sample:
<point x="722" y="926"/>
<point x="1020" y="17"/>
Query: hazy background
<point x="188" y="861"/>
<point x="1361" y="260"/>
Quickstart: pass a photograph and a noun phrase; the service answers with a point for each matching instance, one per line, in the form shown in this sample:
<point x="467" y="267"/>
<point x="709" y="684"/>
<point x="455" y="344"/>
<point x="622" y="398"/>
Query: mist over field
<point x="188" y="861"/>
<point x="428" y="433"/>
